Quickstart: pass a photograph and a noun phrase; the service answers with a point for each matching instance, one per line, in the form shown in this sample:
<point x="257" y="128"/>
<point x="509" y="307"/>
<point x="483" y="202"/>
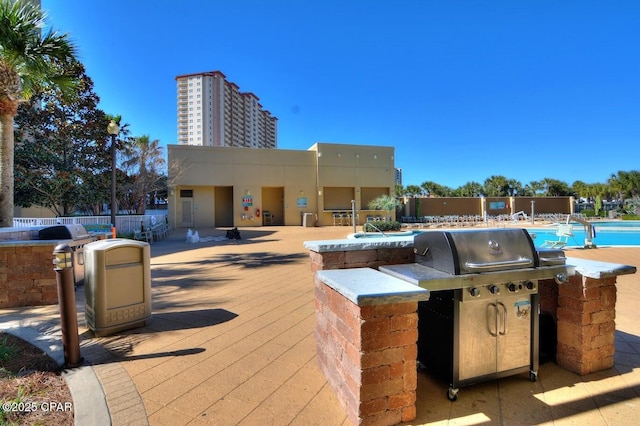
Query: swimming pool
<point x="610" y="233"/>
<point x="616" y="233"/>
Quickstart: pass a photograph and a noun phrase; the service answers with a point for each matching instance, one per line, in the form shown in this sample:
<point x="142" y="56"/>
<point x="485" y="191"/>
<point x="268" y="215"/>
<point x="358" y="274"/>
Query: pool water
<point x="617" y="233"/>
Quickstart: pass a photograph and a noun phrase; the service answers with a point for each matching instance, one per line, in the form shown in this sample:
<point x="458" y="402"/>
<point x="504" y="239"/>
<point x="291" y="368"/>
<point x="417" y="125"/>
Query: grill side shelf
<point x="434" y="280"/>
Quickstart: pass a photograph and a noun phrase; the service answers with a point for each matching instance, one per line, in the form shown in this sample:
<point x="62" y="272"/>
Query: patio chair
<point x="143" y="235"/>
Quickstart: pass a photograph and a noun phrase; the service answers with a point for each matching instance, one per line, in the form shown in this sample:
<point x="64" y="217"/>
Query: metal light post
<point x="63" y="266"/>
<point x="113" y="129"/>
<point x="533" y="212"/>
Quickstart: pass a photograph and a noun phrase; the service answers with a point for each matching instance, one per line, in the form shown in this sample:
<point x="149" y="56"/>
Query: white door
<point x="187" y="213"/>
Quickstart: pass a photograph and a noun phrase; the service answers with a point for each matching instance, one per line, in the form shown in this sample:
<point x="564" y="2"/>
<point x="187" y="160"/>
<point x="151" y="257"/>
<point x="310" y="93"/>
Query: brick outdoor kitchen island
<point x="367" y="323"/>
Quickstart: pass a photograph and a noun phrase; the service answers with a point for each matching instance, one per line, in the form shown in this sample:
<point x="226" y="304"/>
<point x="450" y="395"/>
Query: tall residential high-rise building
<point x="398" y="176"/>
<point x="214" y="112"/>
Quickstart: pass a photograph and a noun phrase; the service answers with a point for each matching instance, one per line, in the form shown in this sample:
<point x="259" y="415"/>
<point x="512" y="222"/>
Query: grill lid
<point x="475" y="251"/>
<point x="63" y="232"/>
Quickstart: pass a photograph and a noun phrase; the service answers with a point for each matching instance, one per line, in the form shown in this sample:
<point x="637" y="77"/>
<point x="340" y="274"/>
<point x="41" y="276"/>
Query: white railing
<point x="125" y="224"/>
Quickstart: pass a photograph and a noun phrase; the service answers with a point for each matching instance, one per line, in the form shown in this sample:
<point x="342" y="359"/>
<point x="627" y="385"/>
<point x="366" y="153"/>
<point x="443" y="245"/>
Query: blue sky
<point x="462" y="89"/>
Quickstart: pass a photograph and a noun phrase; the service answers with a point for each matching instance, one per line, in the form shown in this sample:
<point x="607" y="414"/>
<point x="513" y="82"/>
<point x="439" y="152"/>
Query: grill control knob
<point x="475" y="292"/>
<point x="494" y="289"/>
<point x="530" y="285"/>
<point x="512" y="287"/>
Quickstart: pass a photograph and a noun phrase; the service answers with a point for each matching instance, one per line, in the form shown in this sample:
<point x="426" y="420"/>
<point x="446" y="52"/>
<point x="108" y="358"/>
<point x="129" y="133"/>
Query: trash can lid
<point x="112" y="243"/>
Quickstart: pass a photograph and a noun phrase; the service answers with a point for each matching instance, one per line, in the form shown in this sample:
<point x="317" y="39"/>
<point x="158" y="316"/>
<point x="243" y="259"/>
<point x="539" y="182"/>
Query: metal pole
<point x="114" y="203"/>
<point x="63" y="265"/>
<point x="533" y="211"/>
<point x="353" y="214"/>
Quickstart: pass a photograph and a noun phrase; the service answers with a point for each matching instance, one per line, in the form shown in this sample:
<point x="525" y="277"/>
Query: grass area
<point x="32" y="391"/>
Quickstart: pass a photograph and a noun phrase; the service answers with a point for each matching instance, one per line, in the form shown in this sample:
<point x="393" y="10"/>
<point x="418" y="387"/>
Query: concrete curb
<point x="89" y="401"/>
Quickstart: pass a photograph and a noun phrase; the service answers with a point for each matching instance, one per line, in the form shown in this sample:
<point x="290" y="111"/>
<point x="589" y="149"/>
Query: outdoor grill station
<point x="481" y="319"/>
<point x="464" y="304"/>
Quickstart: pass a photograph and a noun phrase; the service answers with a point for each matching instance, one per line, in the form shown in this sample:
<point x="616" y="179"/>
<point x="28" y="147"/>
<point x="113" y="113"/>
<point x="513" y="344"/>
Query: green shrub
<point x="630" y="217"/>
<point x="382" y="226"/>
<point x="7" y="351"/>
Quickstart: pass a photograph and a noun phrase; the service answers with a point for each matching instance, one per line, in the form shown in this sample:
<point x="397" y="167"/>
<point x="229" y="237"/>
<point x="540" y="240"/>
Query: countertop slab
<point x="366" y="286"/>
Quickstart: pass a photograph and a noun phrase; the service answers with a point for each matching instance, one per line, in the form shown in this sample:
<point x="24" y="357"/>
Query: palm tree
<point x="413" y="191"/>
<point x="144" y="160"/>
<point x="385" y="202"/>
<point x="470" y="189"/>
<point x="626" y="183"/>
<point x="29" y="61"/>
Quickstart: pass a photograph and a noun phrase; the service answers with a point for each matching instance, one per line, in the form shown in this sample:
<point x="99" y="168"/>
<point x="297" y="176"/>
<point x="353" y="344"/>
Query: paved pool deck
<point x="231" y="342"/>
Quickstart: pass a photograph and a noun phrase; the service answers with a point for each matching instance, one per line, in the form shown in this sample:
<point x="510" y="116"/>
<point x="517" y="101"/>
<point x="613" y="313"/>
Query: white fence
<point x="124" y="224"/>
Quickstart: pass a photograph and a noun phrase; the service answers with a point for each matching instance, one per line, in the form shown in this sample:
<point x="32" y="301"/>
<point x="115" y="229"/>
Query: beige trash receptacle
<point x="117" y="285"/>
<point x="307" y="220"/>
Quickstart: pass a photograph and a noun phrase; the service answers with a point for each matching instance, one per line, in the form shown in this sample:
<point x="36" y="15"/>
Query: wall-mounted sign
<point x="247" y="201"/>
<point x="301" y="202"/>
<point x="497" y="205"/>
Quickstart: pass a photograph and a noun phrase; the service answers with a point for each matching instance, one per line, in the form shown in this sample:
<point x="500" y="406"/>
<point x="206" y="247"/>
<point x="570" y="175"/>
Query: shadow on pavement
<point x="177" y="240"/>
<point x="120" y="346"/>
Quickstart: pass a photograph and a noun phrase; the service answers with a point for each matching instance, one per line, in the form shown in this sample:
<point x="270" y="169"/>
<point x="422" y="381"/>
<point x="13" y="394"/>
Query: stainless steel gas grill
<point x="481" y="320"/>
<point x="77" y="237"/>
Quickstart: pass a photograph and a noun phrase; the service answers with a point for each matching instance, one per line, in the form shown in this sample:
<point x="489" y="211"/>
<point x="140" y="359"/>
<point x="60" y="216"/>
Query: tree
<point x="514" y="187"/>
<point x="496" y="186"/>
<point x="469" y="189"/>
<point x="598" y="205"/>
<point x="60" y="156"/>
<point x="416" y="192"/>
<point x="626" y="184"/>
<point x="436" y="190"/>
<point x="28" y="62"/>
<point x="580" y="189"/>
<point x="385" y="202"/>
<point x="555" y="187"/>
<point x="535" y="188"/>
<point x="143" y="160"/>
<point x="413" y="191"/>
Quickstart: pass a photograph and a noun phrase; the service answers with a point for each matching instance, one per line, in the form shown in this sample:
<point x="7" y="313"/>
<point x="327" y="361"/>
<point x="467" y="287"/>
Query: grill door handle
<point x="503" y="330"/>
<point x="553" y="260"/>
<point x="492" y="307"/>
<point x="490" y="265"/>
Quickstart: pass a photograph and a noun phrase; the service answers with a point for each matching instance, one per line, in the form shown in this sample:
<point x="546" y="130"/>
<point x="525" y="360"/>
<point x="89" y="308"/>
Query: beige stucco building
<point x="229" y="186"/>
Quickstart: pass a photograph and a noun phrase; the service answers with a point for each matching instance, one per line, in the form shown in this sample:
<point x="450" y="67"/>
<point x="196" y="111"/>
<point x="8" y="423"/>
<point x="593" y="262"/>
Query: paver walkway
<point x="231" y="342"/>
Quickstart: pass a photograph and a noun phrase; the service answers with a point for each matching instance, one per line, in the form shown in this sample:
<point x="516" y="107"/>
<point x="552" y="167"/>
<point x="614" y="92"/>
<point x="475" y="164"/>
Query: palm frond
<point x="30" y="55"/>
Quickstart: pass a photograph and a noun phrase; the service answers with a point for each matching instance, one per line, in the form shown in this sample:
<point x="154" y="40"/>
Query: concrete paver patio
<point x="231" y="342"/>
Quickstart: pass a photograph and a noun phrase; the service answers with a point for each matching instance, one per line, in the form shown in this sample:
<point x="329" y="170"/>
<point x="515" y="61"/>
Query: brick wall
<point x="586" y="324"/>
<point x="368" y="355"/>
<point x="372" y="258"/>
<point x="27" y="277"/>
<point x="584" y="311"/>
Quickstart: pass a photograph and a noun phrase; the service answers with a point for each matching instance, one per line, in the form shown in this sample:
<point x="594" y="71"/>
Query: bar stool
<point x="267" y="218"/>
